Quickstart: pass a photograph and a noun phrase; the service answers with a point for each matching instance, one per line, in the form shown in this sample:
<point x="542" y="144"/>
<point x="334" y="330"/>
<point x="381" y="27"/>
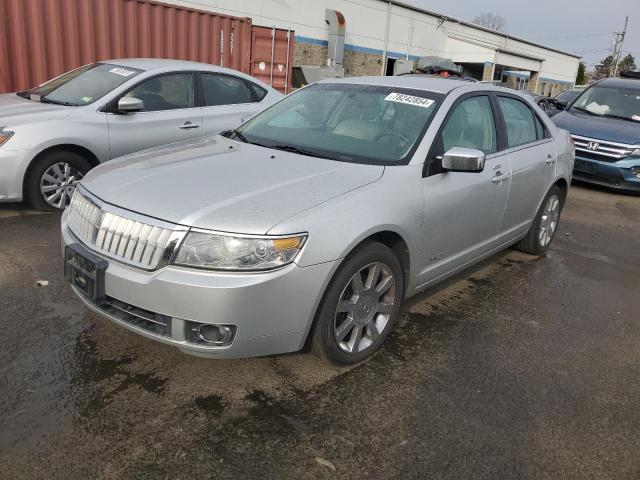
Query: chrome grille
<point x="601" y="150"/>
<point x="132" y="241"/>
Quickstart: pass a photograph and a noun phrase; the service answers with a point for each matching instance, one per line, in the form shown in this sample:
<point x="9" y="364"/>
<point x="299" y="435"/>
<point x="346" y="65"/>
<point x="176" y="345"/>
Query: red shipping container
<point x="45" y="38"/>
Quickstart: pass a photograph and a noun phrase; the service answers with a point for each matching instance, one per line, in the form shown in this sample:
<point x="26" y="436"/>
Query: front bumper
<point x="272" y="311"/>
<point x="13" y="164"/>
<point x="615" y="175"/>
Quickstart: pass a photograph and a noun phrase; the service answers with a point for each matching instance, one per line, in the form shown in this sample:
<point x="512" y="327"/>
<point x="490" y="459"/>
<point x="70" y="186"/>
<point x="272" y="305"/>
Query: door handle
<point x="188" y="126"/>
<point x="550" y="159"/>
<point x="500" y="177"/>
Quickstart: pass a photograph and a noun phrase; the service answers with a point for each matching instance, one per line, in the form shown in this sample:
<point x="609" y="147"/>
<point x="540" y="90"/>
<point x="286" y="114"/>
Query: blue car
<point x="604" y="122"/>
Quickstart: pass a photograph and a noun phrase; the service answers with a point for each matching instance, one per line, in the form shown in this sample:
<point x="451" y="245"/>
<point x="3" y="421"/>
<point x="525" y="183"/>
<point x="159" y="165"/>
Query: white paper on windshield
<point x="598" y="109"/>
<point x="635" y="117"/>
<point x="121" y="71"/>
<point x="409" y="100"/>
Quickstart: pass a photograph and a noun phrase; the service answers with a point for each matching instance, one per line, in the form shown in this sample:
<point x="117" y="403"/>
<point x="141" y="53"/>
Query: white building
<point x="377" y="32"/>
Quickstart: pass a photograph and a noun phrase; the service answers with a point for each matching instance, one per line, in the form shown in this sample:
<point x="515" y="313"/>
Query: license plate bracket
<point x="586" y="167"/>
<point x="85" y="271"/>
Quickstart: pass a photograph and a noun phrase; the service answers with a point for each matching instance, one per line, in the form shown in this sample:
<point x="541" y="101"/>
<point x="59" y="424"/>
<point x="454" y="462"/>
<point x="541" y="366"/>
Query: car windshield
<point x="615" y="102"/>
<point x="347" y="122"/>
<point x="81" y="86"/>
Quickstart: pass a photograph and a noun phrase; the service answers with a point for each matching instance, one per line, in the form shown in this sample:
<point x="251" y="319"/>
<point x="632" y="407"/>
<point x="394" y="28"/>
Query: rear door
<point x="533" y="159"/>
<point x="463" y="211"/>
<point x="169" y="115"/>
<point x="228" y="101"/>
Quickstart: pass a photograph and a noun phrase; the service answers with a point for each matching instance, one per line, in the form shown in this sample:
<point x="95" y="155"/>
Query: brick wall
<point x="358" y="64"/>
<point x="310" y="54"/>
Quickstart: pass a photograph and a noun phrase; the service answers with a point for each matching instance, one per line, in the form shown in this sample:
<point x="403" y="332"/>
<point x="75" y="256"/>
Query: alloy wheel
<point x="58" y="184"/>
<point x="549" y="220"/>
<point x="365" y="307"/>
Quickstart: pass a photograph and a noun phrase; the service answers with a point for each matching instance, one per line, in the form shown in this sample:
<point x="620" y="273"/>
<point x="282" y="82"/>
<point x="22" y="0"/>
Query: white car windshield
<point x="347" y="122"/>
<point x="81" y="86"/>
<point x="615" y="102"/>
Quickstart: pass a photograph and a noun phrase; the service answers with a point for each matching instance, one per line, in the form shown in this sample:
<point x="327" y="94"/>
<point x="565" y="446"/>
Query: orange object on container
<point x="42" y="39"/>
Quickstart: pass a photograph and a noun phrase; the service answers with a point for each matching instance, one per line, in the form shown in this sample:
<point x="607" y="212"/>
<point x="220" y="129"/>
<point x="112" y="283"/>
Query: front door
<point x="463" y="211"/>
<point x="169" y="115"/>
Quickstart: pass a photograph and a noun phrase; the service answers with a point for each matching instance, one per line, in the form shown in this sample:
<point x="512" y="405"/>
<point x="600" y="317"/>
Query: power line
<point x="577" y="36"/>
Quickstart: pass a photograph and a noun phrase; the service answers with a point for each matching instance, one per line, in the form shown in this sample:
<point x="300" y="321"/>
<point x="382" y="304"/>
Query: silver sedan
<point x="51" y="135"/>
<point x="311" y="222"/>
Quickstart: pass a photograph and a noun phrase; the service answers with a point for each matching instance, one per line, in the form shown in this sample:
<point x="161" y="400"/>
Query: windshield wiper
<point x="586" y="111"/>
<point x="56" y="102"/>
<point x="620" y="117"/>
<point x="298" y="150"/>
<point x="239" y="136"/>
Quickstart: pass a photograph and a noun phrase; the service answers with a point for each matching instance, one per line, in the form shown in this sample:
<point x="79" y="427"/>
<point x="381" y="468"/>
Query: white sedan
<point x="52" y="135"/>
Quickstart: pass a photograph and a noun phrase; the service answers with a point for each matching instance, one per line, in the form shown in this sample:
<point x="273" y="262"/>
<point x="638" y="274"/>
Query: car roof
<point x="620" y="82"/>
<point x="166" y="64"/>
<point x="418" y="82"/>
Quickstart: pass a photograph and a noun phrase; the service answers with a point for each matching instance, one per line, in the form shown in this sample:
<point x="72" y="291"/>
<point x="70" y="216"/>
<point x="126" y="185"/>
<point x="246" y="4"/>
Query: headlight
<point x="5" y="135"/>
<point x="228" y="252"/>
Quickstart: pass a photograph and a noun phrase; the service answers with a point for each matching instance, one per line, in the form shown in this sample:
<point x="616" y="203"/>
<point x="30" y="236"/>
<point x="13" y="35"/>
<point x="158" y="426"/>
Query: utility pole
<point x="617" y="47"/>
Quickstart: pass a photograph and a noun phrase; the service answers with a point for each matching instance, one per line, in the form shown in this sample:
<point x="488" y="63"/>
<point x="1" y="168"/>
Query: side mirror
<point x="459" y="159"/>
<point x="130" y="104"/>
<point x="560" y="104"/>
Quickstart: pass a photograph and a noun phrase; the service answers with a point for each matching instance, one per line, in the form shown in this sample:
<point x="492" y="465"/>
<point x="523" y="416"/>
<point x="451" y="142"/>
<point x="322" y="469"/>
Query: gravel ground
<point x="518" y="368"/>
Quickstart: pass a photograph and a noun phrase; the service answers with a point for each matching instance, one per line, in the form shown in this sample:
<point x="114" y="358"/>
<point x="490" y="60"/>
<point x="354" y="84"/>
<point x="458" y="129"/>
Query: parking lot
<point x="520" y="368"/>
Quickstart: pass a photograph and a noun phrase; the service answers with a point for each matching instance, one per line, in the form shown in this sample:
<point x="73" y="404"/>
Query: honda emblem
<point x="593" y="145"/>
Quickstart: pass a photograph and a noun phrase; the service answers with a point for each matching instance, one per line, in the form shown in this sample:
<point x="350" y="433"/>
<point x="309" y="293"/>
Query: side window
<point x="258" y="92"/>
<point x="541" y="131"/>
<point x="165" y="92"/>
<point x="471" y="125"/>
<point x="224" y="90"/>
<point x="520" y="122"/>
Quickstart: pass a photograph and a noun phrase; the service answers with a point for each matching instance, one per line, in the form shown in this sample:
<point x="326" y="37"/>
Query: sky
<point x="577" y="27"/>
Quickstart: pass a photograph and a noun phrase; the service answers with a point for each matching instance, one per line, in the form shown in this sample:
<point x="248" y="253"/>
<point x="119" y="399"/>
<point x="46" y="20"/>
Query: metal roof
<point x="620" y="82"/>
<point x="417" y="82"/>
<point x="478" y="27"/>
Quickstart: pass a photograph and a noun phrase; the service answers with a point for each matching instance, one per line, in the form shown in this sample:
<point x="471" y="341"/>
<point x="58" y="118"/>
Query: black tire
<point x="33" y="194"/>
<point x="532" y="243"/>
<point x="324" y="343"/>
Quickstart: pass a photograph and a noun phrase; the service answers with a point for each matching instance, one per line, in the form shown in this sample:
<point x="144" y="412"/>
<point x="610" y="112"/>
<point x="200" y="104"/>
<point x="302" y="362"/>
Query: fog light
<point x="214" y="334"/>
<point x="636" y="171"/>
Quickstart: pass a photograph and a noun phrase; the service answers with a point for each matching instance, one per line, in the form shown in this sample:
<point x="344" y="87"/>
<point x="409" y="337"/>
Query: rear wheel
<point x="52" y="180"/>
<point x="359" y="307"/>
<point x="545" y="224"/>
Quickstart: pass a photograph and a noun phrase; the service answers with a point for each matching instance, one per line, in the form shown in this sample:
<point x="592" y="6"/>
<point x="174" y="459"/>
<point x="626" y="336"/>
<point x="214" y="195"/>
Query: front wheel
<point x="544" y="225"/>
<point x="52" y="180"/>
<point x="360" y="306"/>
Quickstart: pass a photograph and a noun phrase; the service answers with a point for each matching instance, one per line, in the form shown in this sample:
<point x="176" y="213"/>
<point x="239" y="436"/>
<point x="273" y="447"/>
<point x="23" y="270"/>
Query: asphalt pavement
<point x="519" y="368"/>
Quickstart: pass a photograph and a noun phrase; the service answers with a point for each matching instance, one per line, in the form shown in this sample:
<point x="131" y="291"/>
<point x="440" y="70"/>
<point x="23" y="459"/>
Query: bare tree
<point x="491" y="20"/>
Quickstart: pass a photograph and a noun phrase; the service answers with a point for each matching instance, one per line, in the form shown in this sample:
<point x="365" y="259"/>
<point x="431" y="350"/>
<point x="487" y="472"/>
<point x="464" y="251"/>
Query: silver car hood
<point x="15" y="110"/>
<point x="219" y="184"/>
